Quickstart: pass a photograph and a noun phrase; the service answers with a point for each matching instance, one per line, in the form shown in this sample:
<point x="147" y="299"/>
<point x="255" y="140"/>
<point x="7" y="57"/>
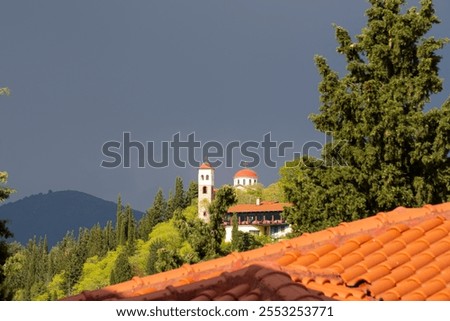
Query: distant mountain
<point x="55" y="213"/>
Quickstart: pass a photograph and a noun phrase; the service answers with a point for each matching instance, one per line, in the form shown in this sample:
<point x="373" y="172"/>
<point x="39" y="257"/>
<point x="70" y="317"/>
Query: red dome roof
<point x="246" y="173"/>
<point x="206" y="165"/>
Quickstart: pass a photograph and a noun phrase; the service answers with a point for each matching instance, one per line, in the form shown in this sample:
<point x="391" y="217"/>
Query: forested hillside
<point x="168" y="235"/>
<point x="53" y="213"/>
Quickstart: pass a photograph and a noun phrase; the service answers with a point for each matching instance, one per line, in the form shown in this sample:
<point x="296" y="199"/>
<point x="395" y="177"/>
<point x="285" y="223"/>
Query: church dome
<point x="247" y="173"/>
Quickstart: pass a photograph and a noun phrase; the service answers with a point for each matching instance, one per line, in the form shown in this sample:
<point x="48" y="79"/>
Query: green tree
<point x="249" y="194"/>
<point x="235" y="233"/>
<point x="109" y="236"/>
<point x="131" y="231"/>
<point x="247" y="241"/>
<point x="13" y="267"/>
<point x="120" y="222"/>
<point x="125" y="226"/>
<point x="72" y="261"/>
<point x="192" y="192"/>
<point x="387" y="147"/>
<point x="178" y="200"/>
<point x="274" y="193"/>
<point x="4" y="254"/>
<point x="242" y="241"/>
<point x="199" y="238"/>
<point x="5" y="233"/>
<point x="225" y="197"/>
<point x="5" y="192"/>
<point x="153" y="256"/>
<point x="167" y="259"/>
<point x="122" y="269"/>
<point x="96" y="272"/>
<point x="194" y="232"/>
<point x="33" y="269"/>
<point x="155" y="214"/>
<point x="96" y="243"/>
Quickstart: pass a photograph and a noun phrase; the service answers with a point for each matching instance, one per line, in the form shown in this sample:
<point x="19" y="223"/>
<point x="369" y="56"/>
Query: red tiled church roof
<point x="262" y="207"/>
<point x="206" y="165"/>
<point x="399" y="255"/>
<point x="246" y="172"/>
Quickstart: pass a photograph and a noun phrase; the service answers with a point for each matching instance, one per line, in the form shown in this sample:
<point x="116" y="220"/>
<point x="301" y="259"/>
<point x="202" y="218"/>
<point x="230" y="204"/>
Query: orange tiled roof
<point x="206" y="165"/>
<point x="263" y="207"/>
<point x="399" y="255"/>
<point x="246" y="172"/>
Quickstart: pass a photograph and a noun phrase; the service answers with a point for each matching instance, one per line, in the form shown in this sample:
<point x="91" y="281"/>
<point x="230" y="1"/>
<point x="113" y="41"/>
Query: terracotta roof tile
<point x="251" y="283"/>
<point x="443" y="295"/>
<point x="206" y="165"/>
<point x="426" y="290"/>
<point x="399" y="255"/>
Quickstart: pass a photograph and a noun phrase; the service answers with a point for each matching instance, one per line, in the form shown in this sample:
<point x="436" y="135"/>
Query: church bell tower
<point x="205" y="190"/>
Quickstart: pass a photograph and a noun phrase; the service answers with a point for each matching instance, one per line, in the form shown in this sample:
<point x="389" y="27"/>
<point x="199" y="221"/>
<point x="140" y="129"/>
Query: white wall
<point x="254" y="229"/>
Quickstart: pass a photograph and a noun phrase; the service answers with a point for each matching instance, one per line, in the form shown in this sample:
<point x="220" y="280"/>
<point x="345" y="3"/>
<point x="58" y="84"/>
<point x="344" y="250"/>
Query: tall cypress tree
<point x="110" y="236"/>
<point x="155" y="214"/>
<point x="120" y="222"/>
<point x="131" y="231"/>
<point x="153" y="256"/>
<point x="83" y="243"/>
<point x="95" y="244"/>
<point x="387" y="147"/>
<point x="192" y="192"/>
<point x="225" y="197"/>
<point x="180" y="195"/>
<point x="72" y="261"/>
<point x="122" y="269"/>
<point x="235" y="240"/>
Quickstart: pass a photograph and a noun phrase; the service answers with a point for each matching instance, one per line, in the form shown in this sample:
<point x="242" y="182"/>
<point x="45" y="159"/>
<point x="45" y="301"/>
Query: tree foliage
<point x="243" y="241"/>
<point x="99" y="256"/>
<point x="192" y="192"/>
<point x="5" y="233"/>
<point x="387" y="148"/>
<point x="122" y="269"/>
<point x="273" y="193"/>
<point x="178" y="199"/>
<point x="235" y="233"/>
<point x="155" y="214"/>
<point x="225" y="197"/>
<point x="249" y="194"/>
<point x="97" y="272"/>
<point x="5" y="91"/>
<point x="5" y="191"/>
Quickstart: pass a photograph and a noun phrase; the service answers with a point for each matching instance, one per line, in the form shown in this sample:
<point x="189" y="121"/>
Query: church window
<point x="205" y="189"/>
<point x="207" y="177"/>
<point x="203" y="177"/>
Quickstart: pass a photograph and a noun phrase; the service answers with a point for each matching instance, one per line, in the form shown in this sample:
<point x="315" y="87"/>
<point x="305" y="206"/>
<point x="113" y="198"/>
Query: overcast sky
<point x="83" y="72"/>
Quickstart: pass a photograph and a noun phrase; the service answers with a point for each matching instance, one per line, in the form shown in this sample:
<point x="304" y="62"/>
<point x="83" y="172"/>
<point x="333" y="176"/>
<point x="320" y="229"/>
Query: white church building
<point x="245" y="177"/>
<point x="261" y="218"/>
